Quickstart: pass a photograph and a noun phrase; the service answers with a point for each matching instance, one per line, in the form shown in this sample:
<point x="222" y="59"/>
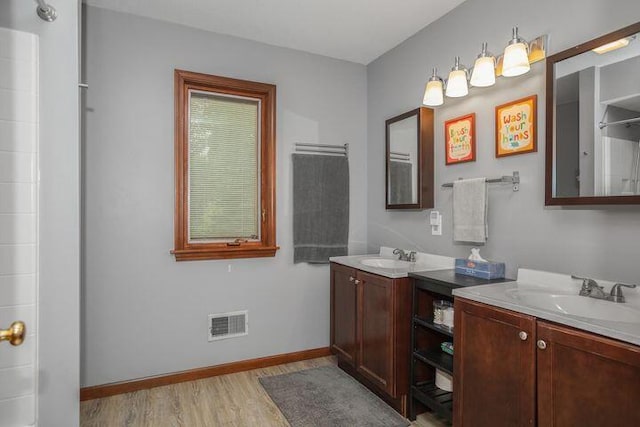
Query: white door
<point x="18" y="226"/>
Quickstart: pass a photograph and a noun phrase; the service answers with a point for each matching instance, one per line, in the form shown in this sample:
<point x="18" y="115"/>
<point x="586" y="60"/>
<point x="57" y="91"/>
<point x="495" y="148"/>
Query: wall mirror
<point x="593" y="122"/>
<point x="409" y="160"/>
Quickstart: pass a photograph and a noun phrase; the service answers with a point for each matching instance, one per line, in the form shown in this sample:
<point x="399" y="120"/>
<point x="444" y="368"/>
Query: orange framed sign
<point x="460" y="139"/>
<point x="516" y="131"/>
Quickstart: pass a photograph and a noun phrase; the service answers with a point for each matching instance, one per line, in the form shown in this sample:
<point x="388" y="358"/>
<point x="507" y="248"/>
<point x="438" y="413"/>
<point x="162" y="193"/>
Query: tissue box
<point x="484" y="270"/>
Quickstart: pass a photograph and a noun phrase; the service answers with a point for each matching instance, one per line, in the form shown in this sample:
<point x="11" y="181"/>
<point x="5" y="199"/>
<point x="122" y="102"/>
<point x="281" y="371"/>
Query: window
<point x="225" y="168"/>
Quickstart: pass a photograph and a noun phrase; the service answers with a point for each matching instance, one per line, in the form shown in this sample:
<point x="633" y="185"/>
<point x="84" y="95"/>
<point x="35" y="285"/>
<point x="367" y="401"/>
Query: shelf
<point x="438" y="400"/>
<point x="436" y="358"/>
<point x="428" y="323"/>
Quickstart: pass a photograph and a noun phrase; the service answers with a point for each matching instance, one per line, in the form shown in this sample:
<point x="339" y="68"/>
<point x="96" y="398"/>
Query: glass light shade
<point x="457" y="84"/>
<point x="433" y="94"/>
<point x="516" y="60"/>
<point x="484" y="73"/>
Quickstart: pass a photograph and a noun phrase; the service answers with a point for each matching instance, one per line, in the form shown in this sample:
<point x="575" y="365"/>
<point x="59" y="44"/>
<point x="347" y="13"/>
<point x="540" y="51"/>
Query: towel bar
<point x="323" y="148"/>
<point x="513" y="179"/>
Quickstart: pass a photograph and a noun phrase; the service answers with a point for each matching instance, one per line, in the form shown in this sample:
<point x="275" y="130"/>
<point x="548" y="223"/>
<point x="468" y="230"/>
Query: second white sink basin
<point x="575" y="305"/>
<point x="386" y="263"/>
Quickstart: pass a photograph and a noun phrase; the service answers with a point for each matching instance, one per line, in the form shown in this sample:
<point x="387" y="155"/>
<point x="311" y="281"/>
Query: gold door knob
<point x="15" y="333"/>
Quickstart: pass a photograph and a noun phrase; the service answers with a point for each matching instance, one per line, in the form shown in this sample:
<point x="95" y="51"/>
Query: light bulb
<point x="433" y="91"/>
<point x="433" y="94"/>
<point x="516" y="57"/>
<point x="457" y="85"/>
<point x="484" y="70"/>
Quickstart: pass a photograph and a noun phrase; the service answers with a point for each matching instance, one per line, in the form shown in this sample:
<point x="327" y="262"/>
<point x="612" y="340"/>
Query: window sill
<point x="224" y="252"/>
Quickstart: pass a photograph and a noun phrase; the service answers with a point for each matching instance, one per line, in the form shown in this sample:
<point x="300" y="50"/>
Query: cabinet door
<point x="494" y="366"/>
<point x="343" y="313"/>
<point x="376" y="334"/>
<point x="586" y="380"/>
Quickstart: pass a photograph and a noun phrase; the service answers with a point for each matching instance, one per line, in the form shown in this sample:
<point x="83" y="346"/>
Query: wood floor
<point x="235" y="400"/>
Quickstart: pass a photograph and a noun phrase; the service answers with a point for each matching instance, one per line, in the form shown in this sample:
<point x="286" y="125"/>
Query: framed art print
<point x="460" y="139"/>
<point x="516" y="127"/>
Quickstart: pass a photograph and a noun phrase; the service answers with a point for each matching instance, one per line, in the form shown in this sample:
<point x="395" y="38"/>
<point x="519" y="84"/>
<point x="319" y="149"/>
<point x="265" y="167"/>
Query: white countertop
<point x="424" y="262"/>
<point x="535" y="283"/>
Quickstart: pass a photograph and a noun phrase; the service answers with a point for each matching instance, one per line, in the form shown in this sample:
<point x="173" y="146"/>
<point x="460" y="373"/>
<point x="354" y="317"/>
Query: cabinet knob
<point x="351" y="278"/>
<point x="523" y="335"/>
<point x="357" y="282"/>
<point x="541" y="345"/>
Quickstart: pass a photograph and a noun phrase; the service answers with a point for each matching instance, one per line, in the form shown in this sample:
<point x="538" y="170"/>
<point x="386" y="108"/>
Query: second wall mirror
<point x="409" y="160"/>
<point x="593" y="122"/>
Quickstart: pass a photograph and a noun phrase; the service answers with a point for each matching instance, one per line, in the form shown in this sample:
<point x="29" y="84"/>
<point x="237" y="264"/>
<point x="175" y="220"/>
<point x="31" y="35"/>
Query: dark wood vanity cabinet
<point x="370" y="326"/>
<point x="586" y="379"/>
<point x="494" y="364"/>
<point x="343" y="313"/>
<point x="552" y="376"/>
<point x="375" y="327"/>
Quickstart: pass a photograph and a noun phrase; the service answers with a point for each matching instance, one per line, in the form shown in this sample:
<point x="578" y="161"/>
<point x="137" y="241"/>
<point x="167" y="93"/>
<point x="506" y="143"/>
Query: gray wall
<point x="145" y="314"/>
<point x="522" y="231"/>
<point x="59" y="211"/>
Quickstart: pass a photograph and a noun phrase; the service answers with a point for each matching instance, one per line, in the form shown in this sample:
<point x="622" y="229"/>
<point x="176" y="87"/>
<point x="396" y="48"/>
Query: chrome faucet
<point x="616" y="292"/>
<point x="590" y="288"/>
<point x="404" y="256"/>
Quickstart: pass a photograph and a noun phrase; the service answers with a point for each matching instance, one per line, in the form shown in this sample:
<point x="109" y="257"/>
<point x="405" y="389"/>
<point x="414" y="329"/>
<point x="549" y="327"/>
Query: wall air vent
<point x="228" y="325"/>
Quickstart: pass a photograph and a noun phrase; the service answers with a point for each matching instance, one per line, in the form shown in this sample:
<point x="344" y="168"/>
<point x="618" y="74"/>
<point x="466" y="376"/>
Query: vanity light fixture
<point x="516" y="60"/>
<point x="433" y="91"/>
<point x="516" y="56"/>
<point x="457" y="85"/>
<point x="484" y="70"/>
<point x="613" y="45"/>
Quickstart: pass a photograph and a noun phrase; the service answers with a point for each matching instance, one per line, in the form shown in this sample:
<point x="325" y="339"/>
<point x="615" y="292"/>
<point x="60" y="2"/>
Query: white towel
<point x="470" y="207"/>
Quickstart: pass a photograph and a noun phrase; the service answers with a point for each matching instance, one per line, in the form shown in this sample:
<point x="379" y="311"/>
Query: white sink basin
<point x="392" y="264"/>
<point x="576" y="305"/>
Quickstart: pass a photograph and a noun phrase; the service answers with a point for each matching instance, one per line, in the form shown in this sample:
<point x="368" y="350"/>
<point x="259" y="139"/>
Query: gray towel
<point x="470" y="208"/>
<point x="400" y="187"/>
<point x="320" y="207"/>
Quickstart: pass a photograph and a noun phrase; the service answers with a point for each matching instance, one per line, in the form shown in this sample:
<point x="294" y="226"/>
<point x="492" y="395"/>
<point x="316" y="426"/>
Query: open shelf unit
<point x="427" y="356"/>
<point x="426" y="337"/>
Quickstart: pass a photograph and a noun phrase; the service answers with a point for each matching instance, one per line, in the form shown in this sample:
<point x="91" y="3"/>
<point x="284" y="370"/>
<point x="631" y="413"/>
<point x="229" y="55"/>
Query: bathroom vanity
<point x="371" y="318"/>
<point x="521" y="362"/>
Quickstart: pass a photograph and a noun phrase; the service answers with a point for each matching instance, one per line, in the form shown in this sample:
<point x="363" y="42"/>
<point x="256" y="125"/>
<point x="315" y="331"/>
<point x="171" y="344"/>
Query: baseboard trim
<point x="98" y="391"/>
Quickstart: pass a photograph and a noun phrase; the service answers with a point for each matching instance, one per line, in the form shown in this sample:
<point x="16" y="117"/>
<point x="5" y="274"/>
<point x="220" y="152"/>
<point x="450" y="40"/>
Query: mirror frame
<point x="550" y="200"/>
<point x="425" y="162"/>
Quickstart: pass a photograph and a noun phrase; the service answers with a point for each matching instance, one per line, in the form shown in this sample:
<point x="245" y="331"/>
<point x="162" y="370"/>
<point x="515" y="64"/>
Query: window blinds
<point x="223" y="167"/>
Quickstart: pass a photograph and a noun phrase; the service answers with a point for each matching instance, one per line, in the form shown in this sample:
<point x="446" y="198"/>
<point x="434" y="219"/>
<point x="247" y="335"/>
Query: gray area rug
<point x="328" y="397"/>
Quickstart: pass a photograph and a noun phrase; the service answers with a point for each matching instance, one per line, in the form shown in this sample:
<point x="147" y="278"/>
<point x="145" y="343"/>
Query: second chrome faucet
<point x="590" y="288"/>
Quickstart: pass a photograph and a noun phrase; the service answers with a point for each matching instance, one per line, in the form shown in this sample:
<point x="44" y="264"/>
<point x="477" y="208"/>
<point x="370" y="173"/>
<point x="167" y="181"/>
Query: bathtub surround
<point x="58" y="200"/>
<point x="18" y="222"/>
<point x="523" y="232"/>
<point x="131" y="279"/>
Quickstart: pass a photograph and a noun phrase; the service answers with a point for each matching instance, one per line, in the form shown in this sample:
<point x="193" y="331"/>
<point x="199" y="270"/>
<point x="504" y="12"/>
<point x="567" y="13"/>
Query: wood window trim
<point x="266" y="247"/>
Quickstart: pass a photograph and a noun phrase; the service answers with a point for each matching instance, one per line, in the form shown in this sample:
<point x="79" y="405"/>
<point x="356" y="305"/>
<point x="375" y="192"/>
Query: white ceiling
<point x="354" y="30"/>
